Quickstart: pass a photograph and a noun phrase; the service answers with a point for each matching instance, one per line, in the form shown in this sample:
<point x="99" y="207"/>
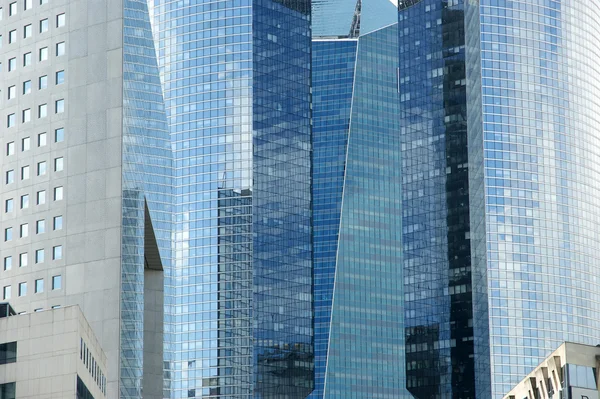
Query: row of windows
<point x="59" y="78"/>
<point x="9" y="203"/>
<point x="41" y="170"/>
<point x="56" y="284"/>
<point x="61" y="48"/>
<point x="92" y="366"/>
<point x="59" y="137"/>
<point x="59" y="108"/>
<point x="28" y="29"/>
<point x="14" y="7"/>
<point x="40" y="228"/>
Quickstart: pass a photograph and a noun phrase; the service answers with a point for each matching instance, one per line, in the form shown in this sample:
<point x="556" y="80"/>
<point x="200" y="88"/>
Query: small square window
<point x="42" y="110"/>
<point x="12" y="92"/>
<point x="12" y="64"/>
<point x="43" y="53"/>
<point x="41" y="168"/>
<point x="39" y="255"/>
<point x="40" y="227"/>
<point x="12" y="36"/>
<point x="58" y="164"/>
<point x="59" y="135"/>
<point x="59" y="106"/>
<point x="27" y="59"/>
<point x="8" y="263"/>
<point x="11" y="120"/>
<point x="12" y="8"/>
<point x="57" y="252"/>
<point x="25" y="201"/>
<point x="26" y="115"/>
<point x="42" y="2"/>
<point x="41" y="197"/>
<point x="27" y="31"/>
<point x="10" y="148"/>
<point x="8" y="234"/>
<point x="6" y="292"/>
<point x="24" y="230"/>
<point x="25" y="172"/>
<point x="23" y="259"/>
<point x="43" y="82"/>
<point x="10" y="176"/>
<point x="44" y="25"/>
<point x="41" y="139"/>
<point x="39" y="286"/>
<point x="60" y="77"/>
<point x="58" y="222"/>
<point x="28" y="4"/>
<point x="25" y="144"/>
<point x="1" y="13"/>
<point x="22" y="289"/>
<point x="56" y="282"/>
<point x="60" y="20"/>
<point x="27" y="87"/>
<point x="8" y="205"/>
<point x="60" y="49"/>
<point x="58" y="193"/>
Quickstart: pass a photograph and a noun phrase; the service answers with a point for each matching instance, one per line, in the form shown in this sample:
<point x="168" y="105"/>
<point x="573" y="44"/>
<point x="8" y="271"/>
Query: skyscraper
<point x="500" y="206"/>
<point x="85" y="176"/>
<point x="359" y="334"/>
<point x="236" y="82"/>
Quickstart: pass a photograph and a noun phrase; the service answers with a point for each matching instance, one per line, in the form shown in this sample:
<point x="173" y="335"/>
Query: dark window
<point x="7" y="391"/>
<point x="8" y="353"/>
<point x="82" y="391"/>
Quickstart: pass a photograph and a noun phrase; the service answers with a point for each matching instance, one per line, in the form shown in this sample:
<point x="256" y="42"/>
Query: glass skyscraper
<point x="498" y="112"/>
<point x="236" y="83"/>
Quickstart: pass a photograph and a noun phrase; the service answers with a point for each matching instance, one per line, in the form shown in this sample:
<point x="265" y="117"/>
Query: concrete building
<point x="85" y="168"/>
<point x="570" y="372"/>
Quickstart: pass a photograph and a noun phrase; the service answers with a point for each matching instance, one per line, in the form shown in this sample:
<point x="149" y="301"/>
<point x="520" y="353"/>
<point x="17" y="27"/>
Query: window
<point x="10" y="176"/>
<point x="43" y="82"/>
<point x="41" y="168"/>
<point x="25" y="201"/>
<point x="1" y="13"/>
<point x="10" y="148"/>
<point x="8" y="263"/>
<point x="58" y="222"/>
<point x="12" y="36"/>
<point x="12" y="64"/>
<point x="39" y="255"/>
<point x="42" y="2"/>
<point x="41" y="139"/>
<point x="59" y="106"/>
<point x="28" y="4"/>
<point x="25" y="172"/>
<point x="56" y="282"/>
<point x="8" y="205"/>
<point x="27" y="31"/>
<point x="27" y="87"/>
<point x="39" y="285"/>
<point x="59" y="135"/>
<point x="60" y="77"/>
<point x="58" y="193"/>
<point x="26" y="115"/>
<point x="57" y="252"/>
<point x="44" y="25"/>
<point x="11" y="120"/>
<point x="60" y="49"/>
<point x="40" y="227"/>
<point x="41" y="197"/>
<point x="42" y="111"/>
<point x="22" y="289"/>
<point x="60" y="20"/>
<point x="24" y="230"/>
<point x="8" y="234"/>
<point x="12" y="92"/>
<point x="27" y="59"/>
<point x="58" y="164"/>
<point x="25" y="144"/>
<point x="8" y="354"/>
<point x="6" y="292"/>
<point x="43" y="53"/>
<point x="23" y="259"/>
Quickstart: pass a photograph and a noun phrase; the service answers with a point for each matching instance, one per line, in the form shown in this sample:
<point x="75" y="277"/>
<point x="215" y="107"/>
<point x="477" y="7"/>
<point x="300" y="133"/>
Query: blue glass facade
<point x="236" y="81"/>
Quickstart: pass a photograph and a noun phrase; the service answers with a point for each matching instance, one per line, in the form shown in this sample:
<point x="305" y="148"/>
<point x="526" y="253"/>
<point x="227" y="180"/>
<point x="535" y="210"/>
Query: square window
<point x="44" y="25"/>
<point x="10" y="148"/>
<point x="42" y="139"/>
<point x="42" y="2"/>
<point x="8" y="234"/>
<point x="10" y="176"/>
<point x="56" y="282"/>
<point x="25" y="172"/>
<point x="59" y="106"/>
<point x="26" y="115"/>
<point x="39" y="285"/>
<point x="60" y="77"/>
<point x="43" y="53"/>
<point x="58" y="222"/>
<point x="28" y="4"/>
<point x="58" y="193"/>
<point x="8" y="263"/>
<point x="25" y="201"/>
<point x="23" y="259"/>
<point x="27" y="59"/>
<point x="58" y="164"/>
<point x="1" y="13"/>
<point x="25" y="144"/>
<point x="12" y="92"/>
<point x="12" y="36"/>
<point x="59" y="135"/>
<point x="11" y="120"/>
<point x="24" y="230"/>
<point x="22" y="289"/>
<point x="27" y="87"/>
<point x="41" y="168"/>
<point x="42" y="110"/>
<point x="60" y="49"/>
<point x="41" y="197"/>
<point x="60" y="20"/>
<point x="57" y="252"/>
<point x="40" y="227"/>
<point x="6" y="292"/>
<point x="12" y="8"/>
<point x="12" y="64"/>
<point x="39" y="255"/>
<point x="27" y="31"/>
<point x="8" y="205"/>
<point x="43" y="82"/>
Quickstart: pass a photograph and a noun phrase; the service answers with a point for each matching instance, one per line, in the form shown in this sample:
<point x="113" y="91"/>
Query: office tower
<point x="236" y="83"/>
<point x="86" y="167"/>
<point x="499" y="197"/>
<point x="359" y="333"/>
